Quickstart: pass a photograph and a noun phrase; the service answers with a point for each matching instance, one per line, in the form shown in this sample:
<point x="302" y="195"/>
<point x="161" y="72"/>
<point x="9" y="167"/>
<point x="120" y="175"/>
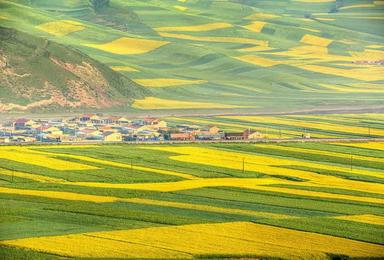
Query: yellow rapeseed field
<point x="187" y="184"/>
<point x="167" y="82"/>
<point x="180" y="8"/>
<point x="215" y="39"/>
<point x="124" y="68"/>
<point x="320" y="152"/>
<point x="259" y="61"/>
<point x="255" y="26"/>
<point x="275" y="166"/>
<point x="343" y="88"/>
<point x="261" y="16"/>
<point x="31" y="176"/>
<point x="367" y="218"/>
<point x="116" y="164"/>
<point x="62" y="195"/>
<point x="127" y="46"/>
<point x="102" y="199"/>
<point x="357" y="6"/>
<point x="195" y="28"/>
<point x="24" y="155"/>
<point x="367" y="74"/>
<point x="267" y="132"/>
<point x="308" y="124"/>
<point x="159" y="103"/>
<point x="315" y="40"/>
<point x="61" y="27"/>
<point x="326" y="19"/>
<point x="186" y="241"/>
<point x="369" y="145"/>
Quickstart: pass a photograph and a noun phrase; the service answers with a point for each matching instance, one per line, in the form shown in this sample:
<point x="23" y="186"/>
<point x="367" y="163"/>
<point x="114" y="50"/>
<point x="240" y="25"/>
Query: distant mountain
<point x="223" y="55"/>
<point x="39" y="75"/>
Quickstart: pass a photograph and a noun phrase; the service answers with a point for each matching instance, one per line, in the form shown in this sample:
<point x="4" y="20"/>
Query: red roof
<point x="87" y="115"/>
<point x="21" y="121"/>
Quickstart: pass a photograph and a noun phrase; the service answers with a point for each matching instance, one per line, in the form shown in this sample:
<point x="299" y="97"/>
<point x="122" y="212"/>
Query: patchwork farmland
<point x="369" y="125"/>
<point x="215" y="55"/>
<point x="291" y="200"/>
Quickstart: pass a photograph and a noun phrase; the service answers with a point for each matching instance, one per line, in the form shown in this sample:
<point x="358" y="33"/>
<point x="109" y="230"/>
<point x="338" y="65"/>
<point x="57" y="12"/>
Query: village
<point x="111" y="129"/>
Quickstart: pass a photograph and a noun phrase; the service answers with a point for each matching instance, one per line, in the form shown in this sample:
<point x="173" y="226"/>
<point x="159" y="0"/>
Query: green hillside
<point x="39" y="75"/>
<point x="216" y="55"/>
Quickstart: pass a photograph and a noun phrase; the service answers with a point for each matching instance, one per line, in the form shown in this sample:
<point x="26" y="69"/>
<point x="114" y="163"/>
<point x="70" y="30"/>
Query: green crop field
<point x="289" y="200"/>
<point x="215" y="55"/>
<point x="295" y="126"/>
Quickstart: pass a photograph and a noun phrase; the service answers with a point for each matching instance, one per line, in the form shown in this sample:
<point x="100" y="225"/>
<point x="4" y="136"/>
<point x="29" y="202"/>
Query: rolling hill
<point x="220" y="55"/>
<point x="39" y="75"/>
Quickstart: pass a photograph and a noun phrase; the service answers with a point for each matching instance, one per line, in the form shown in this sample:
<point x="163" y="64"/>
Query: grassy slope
<point x="229" y="81"/>
<point x="31" y="75"/>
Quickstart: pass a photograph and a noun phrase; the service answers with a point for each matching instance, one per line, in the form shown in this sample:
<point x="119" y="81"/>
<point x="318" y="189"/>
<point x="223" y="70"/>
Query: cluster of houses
<point x="94" y="128"/>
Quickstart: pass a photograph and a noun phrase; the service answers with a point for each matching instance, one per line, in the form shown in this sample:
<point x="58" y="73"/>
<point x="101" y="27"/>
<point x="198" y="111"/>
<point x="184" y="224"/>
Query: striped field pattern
<point x="188" y="201"/>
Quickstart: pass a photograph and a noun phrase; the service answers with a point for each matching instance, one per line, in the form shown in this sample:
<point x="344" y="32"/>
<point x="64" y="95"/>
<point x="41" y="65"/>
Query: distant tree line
<point x="98" y="4"/>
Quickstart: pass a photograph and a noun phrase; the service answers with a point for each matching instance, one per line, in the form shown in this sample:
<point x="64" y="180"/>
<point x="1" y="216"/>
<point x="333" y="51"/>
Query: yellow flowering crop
<point x="370" y="145"/>
<point x="369" y="219"/>
<point x="308" y="124"/>
<point x="27" y="156"/>
<point x="275" y="166"/>
<point x="30" y="176"/>
<point x="159" y="103"/>
<point x="320" y="152"/>
<point x="167" y="82"/>
<point x="215" y="39"/>
<point x="315" y="40"/>
<point x="195" y="28"/>
<point x="255" y="26"/>
<point x="127" y="46"/>
<point x="61" y="27"/>
<point x="186" y="241"/>
<point x="102" y="199"/>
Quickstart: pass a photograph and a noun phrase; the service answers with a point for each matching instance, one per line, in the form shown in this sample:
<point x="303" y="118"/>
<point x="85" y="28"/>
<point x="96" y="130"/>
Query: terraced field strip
<point x="275" y="166"/>
<point x="346" y="156"/>
<point x="126" y="46"/>
<point x="372" y="145"/>
<point x="233" y="126"/>
<point x="58" y="195"/>
<point x="195" y="28"/>
<point x="23" y="155"/>
<point x="72" y="196"/>
<point x="186" y="241"/>
<point x="154" y="103"/>
<point x="255" y="26"/>
<point x="46" y="159"/>
<point x="188" y="184"/>
<point x="369" y="219"/>
<point x="315" y="40"/>
<point x="309" y="124"/>
<point x="124" y="68"/>
<point x="30" y="176"/>
<point x="61" y="27"/>
<point x="167" y="82"/>
<point x="215" y="39"/>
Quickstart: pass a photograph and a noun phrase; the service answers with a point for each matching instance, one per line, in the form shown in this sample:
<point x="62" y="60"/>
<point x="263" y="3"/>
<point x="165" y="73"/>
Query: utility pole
<point x="369" y="131"/>
<point x="351" y="161"/>
<point x="243" y="165"/>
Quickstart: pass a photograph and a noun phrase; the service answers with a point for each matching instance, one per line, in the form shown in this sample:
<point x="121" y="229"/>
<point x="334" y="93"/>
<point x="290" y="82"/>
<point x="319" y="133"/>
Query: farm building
<point x="112" y="137"/>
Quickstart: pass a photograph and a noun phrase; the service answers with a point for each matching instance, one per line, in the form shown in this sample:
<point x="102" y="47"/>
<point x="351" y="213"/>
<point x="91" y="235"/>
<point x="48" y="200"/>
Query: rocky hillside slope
<point x="39" y="75"/>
